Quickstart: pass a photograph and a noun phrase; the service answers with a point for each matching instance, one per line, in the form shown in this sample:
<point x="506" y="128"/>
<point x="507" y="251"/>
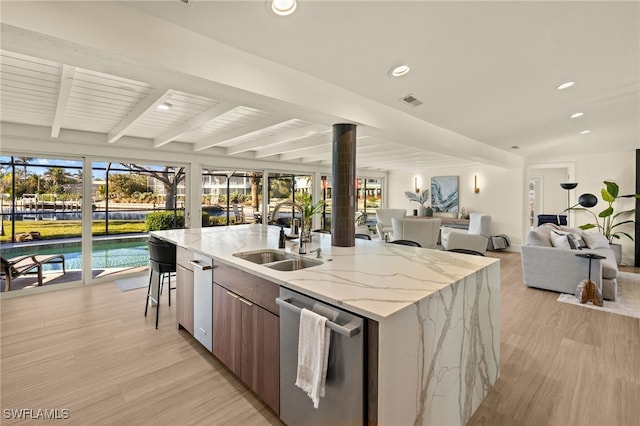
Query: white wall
<point x="501" y="194"/>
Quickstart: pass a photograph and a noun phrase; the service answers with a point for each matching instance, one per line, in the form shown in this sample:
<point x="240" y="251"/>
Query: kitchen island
<point x="437" y="313"/>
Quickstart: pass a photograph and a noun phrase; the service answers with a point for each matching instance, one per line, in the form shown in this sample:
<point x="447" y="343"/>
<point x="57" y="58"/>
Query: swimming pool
<point x="106" y="254"/>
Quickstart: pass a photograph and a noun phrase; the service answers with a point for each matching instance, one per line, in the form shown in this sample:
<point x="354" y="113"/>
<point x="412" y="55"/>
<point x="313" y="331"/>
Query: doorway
<point x="545" y="196"/>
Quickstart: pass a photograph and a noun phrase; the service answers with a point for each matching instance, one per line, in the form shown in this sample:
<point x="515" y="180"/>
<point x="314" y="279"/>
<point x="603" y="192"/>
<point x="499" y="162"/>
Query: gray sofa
<point x="549" y="263"/>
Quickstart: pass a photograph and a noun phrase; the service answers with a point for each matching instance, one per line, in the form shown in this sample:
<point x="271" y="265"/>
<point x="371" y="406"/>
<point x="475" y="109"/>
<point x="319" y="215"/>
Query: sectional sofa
<point x="549" y="260"/>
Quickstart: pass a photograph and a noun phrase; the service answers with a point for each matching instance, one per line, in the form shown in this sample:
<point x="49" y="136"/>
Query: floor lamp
<point x="585" y="200"/>
<point x="568" y="187"/>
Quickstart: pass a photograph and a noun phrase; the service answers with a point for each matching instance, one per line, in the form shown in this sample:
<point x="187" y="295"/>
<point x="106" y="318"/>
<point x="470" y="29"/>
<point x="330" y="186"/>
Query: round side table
<point x="592" y="288"/>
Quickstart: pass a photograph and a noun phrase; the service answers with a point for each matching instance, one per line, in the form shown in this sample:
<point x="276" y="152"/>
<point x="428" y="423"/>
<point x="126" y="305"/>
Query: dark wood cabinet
<point x="261" y="353"/>
<point x="246" y="336"/>
<point x="227" y="328"/>
<point x="184" y="296"/>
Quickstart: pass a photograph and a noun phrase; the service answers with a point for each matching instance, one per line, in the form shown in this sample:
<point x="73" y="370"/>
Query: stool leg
<point x="158" y="303"/>
<point x="169" y="289"/>
<point x="146" y="306"/>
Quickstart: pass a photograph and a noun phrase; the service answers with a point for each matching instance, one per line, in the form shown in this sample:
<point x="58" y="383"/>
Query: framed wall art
<point x="444" y="194"/>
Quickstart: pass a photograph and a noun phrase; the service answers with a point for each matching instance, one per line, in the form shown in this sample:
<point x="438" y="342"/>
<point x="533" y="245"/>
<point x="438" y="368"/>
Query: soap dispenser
<point x="281" y="240"/>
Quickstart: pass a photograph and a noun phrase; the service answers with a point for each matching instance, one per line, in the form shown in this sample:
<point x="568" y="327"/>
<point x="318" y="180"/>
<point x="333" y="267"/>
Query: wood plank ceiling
<point x="40" y="92"/>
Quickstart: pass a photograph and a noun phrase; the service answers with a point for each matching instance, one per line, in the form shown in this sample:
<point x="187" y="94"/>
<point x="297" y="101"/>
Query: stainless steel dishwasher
<point x="344" y="400"/>
<point x="202" y="299"/>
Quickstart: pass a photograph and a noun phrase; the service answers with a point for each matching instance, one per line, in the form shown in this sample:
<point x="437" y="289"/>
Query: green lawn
<point x="50" y="229"/>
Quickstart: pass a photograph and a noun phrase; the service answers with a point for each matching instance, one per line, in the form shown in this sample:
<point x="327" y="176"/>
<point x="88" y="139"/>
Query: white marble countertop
<point x="373" y="279"/>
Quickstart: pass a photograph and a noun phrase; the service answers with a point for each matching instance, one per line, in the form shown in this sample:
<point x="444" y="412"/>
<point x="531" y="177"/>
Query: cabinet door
<point x="184" y="294"/>
<point x="261" y="353"/>
<point x="227" y="328"/>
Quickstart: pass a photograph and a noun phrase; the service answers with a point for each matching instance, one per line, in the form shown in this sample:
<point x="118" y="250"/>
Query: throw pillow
<point x="577" y="233"/>
<point x="596" y="240"/>
<point x="574" y="241"/>
<point x="539" y="237"/>
<point x="560" y="240"/>
<point x="582" y="244"/>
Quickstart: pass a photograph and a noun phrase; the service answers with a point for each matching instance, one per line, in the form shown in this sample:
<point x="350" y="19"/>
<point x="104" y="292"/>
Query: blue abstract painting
<point x="444" y="194"/>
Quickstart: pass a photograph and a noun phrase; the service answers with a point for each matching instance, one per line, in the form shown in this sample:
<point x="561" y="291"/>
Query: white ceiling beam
<point x="320" y="156"/>
<point x="283" y="138"/>
<point x="298" y="145"/>
<point x="156" y="97"/>
<point x="381" y="156"/>
<point x="240" y="132"/>
<point x="318" y="148"/>
<point x="196" y="122"/>
<point x="64" y="91"/>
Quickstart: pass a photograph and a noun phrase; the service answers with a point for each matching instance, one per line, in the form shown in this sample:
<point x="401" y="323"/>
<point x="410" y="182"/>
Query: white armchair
<point x="383" y="216"/>
<point x="475" y="238"/>
<point x="421" y="230"/>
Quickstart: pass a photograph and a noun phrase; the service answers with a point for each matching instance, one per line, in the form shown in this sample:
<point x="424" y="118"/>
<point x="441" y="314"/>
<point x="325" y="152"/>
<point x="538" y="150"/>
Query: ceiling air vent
<point x="411" y="100"/>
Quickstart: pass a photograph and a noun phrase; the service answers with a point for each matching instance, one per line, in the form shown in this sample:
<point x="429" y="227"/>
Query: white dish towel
<point x="313" y="354"/>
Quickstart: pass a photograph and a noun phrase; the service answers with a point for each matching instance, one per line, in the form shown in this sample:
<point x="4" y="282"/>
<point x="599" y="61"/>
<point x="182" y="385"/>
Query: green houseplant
<point x="608" y="221"/>
<point x="309" y="209"/>
<point x="420" y="198"/>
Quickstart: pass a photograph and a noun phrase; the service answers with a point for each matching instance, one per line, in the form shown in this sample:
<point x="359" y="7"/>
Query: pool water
<point x="106" y="254"/>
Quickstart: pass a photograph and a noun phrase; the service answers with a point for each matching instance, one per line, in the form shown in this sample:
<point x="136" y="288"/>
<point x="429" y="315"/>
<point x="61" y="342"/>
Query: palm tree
<point x="56" y="176"/>
<point x="254" y="179"/>
<point x="24" y="161"/>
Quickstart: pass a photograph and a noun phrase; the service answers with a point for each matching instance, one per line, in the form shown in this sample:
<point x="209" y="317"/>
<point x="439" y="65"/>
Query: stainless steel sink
<point x="294" y="264"/>
<point x="264" y="256"/>
<point x="278" y="260"/>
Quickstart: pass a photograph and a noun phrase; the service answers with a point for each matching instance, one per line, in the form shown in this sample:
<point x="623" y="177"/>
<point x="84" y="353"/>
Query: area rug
<point x="133" y="283"/>
<point x="627" y="303"/>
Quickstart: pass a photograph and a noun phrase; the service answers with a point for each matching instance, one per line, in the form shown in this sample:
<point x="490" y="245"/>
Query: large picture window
<point x="231" y="197"/>
<point x="42" y="209"/>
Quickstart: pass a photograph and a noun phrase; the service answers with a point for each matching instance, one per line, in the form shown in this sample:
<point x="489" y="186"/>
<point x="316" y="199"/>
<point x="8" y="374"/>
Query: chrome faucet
<point x="296" y="206"/>
<point x="318" y="252"/>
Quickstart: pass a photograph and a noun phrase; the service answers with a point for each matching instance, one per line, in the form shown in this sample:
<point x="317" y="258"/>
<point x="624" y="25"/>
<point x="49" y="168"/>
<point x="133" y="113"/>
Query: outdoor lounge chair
<point x="21" y="265"/>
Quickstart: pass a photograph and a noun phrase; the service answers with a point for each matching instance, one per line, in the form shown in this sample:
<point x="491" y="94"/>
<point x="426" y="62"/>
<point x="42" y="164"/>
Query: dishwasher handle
<point x="198" y="265"/>
<point x="349" y="330"/>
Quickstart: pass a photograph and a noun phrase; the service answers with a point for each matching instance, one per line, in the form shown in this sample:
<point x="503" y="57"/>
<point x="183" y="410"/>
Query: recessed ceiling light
<point x="399" y="71"/>
<point x="576" y="115"/>
<point x="584" y="132"/>
<point x="283" y="7"/>
<point x="164" y="106"/>
<point x="566" y="85"/>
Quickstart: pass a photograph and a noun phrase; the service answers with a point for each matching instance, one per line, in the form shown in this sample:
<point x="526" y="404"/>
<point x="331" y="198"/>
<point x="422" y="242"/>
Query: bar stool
<point x="162" y="260"/>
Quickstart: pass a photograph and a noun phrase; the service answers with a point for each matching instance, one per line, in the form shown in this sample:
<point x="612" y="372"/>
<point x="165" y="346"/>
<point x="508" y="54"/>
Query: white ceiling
<point x="485" y="71"/>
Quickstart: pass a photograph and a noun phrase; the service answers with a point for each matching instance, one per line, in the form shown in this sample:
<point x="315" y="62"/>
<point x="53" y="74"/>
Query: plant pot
<point x="617" y="250"/>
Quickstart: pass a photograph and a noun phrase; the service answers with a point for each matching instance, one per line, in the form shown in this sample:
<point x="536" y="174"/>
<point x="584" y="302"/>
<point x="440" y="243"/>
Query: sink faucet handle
<point x="318" y="252"/>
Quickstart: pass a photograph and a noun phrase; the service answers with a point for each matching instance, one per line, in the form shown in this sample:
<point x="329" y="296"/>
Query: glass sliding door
<point x="369" y="199"/>
<point x="129" y="200"/>
<point x="231" y="197"/>
<point x="41" y="208"/>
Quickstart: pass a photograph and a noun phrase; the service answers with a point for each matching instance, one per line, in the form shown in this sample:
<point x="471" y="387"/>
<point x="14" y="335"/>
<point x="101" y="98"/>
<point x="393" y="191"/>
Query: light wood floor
<point x="91" y="351"/>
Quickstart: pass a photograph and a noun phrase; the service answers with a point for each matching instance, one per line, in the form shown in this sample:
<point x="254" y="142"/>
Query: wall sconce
<point x="476" y="188"/>
<point x="415" y="185"/>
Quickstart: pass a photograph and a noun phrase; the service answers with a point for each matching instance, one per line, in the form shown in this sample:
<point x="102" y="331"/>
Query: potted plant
<point x="309" y="209"/>
<point x="420" y="198"/>
<point x="611" y="221"/>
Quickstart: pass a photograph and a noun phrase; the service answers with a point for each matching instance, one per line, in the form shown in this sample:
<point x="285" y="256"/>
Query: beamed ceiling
<point x="245" y="84"/>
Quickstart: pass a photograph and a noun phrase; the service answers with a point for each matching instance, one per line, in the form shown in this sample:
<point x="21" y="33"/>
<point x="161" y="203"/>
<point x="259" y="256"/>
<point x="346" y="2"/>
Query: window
<point x="41" y="208"/>
<point x="231" y="197"/>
